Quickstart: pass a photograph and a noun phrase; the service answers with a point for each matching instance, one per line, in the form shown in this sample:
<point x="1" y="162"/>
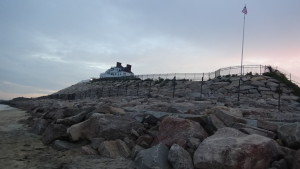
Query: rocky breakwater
<point x="191" y="130"/>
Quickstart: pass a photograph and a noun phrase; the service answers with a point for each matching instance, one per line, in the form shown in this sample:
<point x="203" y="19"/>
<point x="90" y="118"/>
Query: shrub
<point x="276" y="74"/>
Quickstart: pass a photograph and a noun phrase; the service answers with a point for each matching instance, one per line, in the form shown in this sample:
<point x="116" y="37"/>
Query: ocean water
<point x="5" y="107"/>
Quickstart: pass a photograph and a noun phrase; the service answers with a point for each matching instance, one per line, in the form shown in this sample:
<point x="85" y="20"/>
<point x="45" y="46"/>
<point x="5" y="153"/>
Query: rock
<point x="229" y="116"/>
<point x="73" y="119"/>
<point x="288" y="155"/>
<point x="63" y="145"/>
<point x="281" y="164"/>
<point x="296" y="163"/>
<point x="60" y="113"/>
<point x="107" y="126"/>
<point x="257" y="78"/>
<point x="180" y="158"/>
<point x="54" y="132"/>
<point x="290" y="135"/>
<point x="271" y="84"/>
<point x="117" y="110"/>
<point x="150" y="119"/>
<point x="135" y="150"/>
<point x="229" y="148"/>
<point x="154" y="157"/>
<point x="247" y="88"/>
<point x="88" y="150"/>
<point x="267" y="125"/>
<point x="114" y="149"/>
<point x="145" y="140"/>
<point x="254" y="130"/>
<point x="39" y="126"/>
<point x="259" y="132"/>
<point x="177" y="130"/>
<point x="95" y="142"/>
<point x="193" y="143"/>
<point x="216" y="122"/>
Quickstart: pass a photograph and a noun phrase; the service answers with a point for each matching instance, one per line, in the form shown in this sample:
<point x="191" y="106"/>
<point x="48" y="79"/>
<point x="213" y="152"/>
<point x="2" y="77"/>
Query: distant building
<point x="118" y="71"/>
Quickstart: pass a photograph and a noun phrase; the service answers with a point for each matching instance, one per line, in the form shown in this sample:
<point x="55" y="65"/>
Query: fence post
<point x="126" y="88"/>
<point x="279" y="91"/>
<point x="138" y="87"/>
<point x="174" y="84"/>
<point x="291" y="77"/>
<point x="149" y="92"/>
<point x="259" y="69"/>
<point x="239" y="90"/>
<point x="201" y="87"/>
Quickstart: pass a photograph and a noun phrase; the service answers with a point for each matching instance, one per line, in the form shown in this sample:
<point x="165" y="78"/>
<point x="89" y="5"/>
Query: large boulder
<point x="60" y="113"/>
<point x="39" y="126"/>
<point x="73" y="119"/>
<point x="290" y="135"/>
<point x="54" y="132"/>
<point x="175" y="130"/>
<point x="180" y="158"/>
<point x="107" y="126"/>
<point x="154" y="157"/>
<point x="229" y="148"/>
<point x="296" y="162"/>
<point x="229" y="116"/>
<point x="114" y="149"/>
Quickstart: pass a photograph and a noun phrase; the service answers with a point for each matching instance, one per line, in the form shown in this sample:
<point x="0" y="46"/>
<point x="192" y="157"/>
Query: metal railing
<point x="232" y="70"/>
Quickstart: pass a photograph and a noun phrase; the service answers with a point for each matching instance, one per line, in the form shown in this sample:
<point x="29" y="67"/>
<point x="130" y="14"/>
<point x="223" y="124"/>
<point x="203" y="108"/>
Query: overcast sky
<point x="47" y="45"/>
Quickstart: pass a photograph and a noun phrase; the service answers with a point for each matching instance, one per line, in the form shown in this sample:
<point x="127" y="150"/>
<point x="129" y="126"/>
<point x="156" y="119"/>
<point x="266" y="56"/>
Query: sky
<point x="48" y="45"/>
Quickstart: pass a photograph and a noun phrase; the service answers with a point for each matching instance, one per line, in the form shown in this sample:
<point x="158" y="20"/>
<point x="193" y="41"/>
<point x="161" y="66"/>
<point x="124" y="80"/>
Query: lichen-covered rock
<point x="175" y="130"/>
<point x="290" y="135"/>
<point x="180" y="158"/>
<point x="229" y="148"/>
<point x="154" y="157"/>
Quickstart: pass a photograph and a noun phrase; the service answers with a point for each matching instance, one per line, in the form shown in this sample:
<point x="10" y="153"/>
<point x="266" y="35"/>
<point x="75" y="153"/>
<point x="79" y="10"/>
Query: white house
<point x="118" y="71"/>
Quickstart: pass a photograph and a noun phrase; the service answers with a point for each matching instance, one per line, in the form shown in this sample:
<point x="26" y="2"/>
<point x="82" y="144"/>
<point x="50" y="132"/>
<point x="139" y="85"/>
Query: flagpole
<point x="243" y="42"/>
<point x="245" y="12"/>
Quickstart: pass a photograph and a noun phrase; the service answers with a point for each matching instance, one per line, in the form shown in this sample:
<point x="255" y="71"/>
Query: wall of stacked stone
<point x="250" y="87"/>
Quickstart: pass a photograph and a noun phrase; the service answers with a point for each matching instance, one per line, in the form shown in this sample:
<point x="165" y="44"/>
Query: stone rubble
<point x="197" y="130"/>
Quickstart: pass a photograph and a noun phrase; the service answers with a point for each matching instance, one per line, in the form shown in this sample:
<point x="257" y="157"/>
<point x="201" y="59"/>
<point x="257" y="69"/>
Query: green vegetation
<point x="276" y="74"/>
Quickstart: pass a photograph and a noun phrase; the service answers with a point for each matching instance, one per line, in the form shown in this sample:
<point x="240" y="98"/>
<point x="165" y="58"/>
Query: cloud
<point x="9" y="90"/>
<point x="53" y="44"/>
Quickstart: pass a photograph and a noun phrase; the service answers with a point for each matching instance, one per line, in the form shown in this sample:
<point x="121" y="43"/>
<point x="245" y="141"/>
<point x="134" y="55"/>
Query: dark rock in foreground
<point x="290" y="135"/>
<point x="175" y="130"/>
<point x="180" y="158"/>
<point x="229" y="148"/>
<point x="154" y="157"/>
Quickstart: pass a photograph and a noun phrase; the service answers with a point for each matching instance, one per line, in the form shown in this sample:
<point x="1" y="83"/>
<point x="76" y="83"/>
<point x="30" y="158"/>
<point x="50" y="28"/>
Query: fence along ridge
<point x="231" y="70"/>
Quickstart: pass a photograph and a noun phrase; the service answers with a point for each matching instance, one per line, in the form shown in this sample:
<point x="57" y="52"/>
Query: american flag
<point x="245" y="10"/>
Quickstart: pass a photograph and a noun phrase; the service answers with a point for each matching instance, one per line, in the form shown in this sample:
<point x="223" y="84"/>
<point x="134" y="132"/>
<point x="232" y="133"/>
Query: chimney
<point x="128" y="68"/>
<point x="119" y="64"/>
